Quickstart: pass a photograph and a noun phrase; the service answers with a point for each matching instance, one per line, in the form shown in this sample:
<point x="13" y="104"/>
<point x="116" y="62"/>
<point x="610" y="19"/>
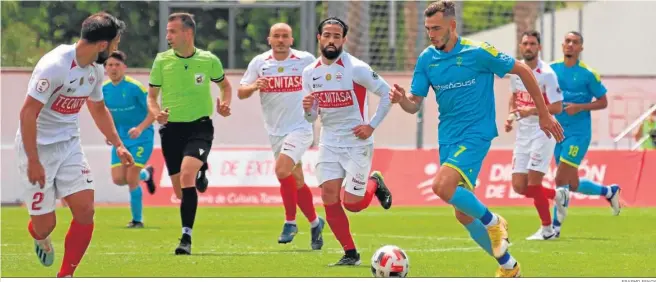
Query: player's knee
<point x="519" y="187"/>
<point x="133" y="183"/>
<point x="463" y="218"/>
<point x="329" y="196"/>
<point x="443" y="189"/>
<point x="43" y="226"/>
<point x="119" y="180"/>
<point x="83" y="214"/>
<point x="187" y="178"/>
<point x="300" y="182"/>
<point x="282" y="172"/>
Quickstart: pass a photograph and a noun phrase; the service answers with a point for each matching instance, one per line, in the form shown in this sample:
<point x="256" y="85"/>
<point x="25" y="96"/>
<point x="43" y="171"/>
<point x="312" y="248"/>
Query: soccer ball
<point x="390" y="261"/>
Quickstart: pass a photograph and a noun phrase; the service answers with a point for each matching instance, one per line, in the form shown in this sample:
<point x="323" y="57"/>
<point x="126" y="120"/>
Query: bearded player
<point x="276" y="74"/>
<point x="534" y="149"/>
<point x="50" y="157"/>
<point x="337" y="85"/>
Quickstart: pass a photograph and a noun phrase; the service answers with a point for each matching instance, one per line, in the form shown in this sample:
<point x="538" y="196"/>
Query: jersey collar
<point x="192" y="54"/>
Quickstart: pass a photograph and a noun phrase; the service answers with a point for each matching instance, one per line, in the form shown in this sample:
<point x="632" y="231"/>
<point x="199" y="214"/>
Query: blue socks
<point x="588" y="187"/>
<point x="465" y="201"/>
<point x="478" y="232"/>
<point x="136" y="204"/>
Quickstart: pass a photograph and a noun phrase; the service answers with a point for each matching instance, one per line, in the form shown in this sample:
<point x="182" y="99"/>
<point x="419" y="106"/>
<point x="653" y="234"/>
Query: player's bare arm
<point x="246" y="91"/>
<point x="547" y="122"/>
<point x="311" y="114"/>
<point x="512" y="110"/>
<point x="154" y="109"/>
<point x="597" y="104"/>
<point x="376" y="85"/>
<point x="103" y="119"/>
<point x="409" y="103"/>
<point x="28" y="116"/>
<point x="223" y="103"/>
<point x="135" y="132"/>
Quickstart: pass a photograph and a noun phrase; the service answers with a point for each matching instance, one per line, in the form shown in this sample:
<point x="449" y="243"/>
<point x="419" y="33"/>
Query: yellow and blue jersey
<point x="128" y="105"/>
<point x="579" y="84"/>
<point x="463" y="82"/>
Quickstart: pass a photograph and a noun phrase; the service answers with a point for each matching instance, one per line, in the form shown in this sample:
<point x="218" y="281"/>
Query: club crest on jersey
<point x="199" y="78"/>
<point x="92" y="79"/>
<point x="338" y="76"/>
<point x="281" y="69"/>
<point x="42" y="85"/>
<point x="329" y="77"/>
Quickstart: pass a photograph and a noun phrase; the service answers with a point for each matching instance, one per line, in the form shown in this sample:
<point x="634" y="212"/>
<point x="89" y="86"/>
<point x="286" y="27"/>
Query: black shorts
<point x="181" y="139"/>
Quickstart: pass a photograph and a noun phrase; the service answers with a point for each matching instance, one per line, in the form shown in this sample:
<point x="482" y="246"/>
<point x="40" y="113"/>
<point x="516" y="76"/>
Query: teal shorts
<point x="572" y="150"/>
<point x="140" y="150"/>
<point x="466" y="157"/>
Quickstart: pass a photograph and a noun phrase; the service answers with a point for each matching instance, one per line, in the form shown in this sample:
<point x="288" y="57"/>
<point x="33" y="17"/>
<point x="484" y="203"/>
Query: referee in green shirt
<point x="183" y="74"/>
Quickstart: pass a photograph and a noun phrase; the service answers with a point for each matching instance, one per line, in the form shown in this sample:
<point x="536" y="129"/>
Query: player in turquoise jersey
<point x="580" y="85"/>
<point x="125" y="97"/>
<point x="461" y="73"/>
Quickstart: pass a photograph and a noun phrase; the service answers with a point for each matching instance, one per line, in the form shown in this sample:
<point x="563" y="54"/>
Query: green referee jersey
<point x="185" y="83"/>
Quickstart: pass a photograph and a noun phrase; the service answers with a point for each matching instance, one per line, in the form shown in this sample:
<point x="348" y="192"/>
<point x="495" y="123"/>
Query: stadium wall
<point x="629" y="97"/>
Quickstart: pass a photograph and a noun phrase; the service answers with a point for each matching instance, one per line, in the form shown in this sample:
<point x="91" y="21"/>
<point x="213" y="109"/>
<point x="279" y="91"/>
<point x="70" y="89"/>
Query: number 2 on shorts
<point x="140" y="151"/>
<point x="461" y="149"/>
<point x="37" y="199"/>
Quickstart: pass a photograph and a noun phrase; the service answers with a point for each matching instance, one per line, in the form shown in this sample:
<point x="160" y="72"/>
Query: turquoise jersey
<point x="580" y="84"/>
<point x="127" y="103"/>
<point x="463" y="82"/>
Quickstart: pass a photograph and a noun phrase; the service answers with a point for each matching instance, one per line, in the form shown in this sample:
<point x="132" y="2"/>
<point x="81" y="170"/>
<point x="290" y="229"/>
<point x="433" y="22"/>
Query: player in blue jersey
<point x="461" y="73"/>
<point x="125" y="98"/>
<point x="580" y="85"/>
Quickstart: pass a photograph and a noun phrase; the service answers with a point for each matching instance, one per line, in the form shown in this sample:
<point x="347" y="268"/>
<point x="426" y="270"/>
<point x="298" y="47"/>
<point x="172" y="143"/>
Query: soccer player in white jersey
<point x="337" y="85"/>
<point x="276" y="74"/>
<point x="50" y="157"/>
<point x="533" y="149"/>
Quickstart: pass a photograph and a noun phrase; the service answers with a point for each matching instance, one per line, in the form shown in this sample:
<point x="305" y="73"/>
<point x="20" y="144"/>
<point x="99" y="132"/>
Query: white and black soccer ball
<point x="390" y="261"/>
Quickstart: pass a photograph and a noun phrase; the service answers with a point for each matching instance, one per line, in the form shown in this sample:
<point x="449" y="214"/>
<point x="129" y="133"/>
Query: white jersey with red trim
<point x="63" y="87"/>
<point x="340" y="91"/>
<point x="282" y="99"/>
<point x="548" y="82"/>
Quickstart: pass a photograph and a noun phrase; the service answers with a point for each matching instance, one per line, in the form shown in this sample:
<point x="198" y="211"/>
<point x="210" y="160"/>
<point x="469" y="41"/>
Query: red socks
<point x="75" y="245"/>
<point x="306" y="204"/>
<point x="372" y="185"/>
<point x="289" y="196"/>
<point x="339" y="224"/>
<point x="549" y="193"/>
<point x="30" y="228"/>
<point x="541" y="202"/>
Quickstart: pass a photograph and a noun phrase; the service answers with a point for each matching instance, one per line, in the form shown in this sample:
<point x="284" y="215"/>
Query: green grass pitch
<point x="242" y="242"/>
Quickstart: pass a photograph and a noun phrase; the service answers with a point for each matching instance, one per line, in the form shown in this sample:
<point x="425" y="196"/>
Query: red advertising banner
<point x="247" y="177"/>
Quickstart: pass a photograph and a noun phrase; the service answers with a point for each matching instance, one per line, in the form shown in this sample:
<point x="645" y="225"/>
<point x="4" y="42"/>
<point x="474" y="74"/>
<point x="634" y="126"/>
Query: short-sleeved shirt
<point x="63" y="87"/>
<point x="186" y="83"/>
<point x="463" y="82"/>
<point x="580" y="84"/>
<point x="127" y="103"/>
<point x="282" y="98"/>
<point x="548" y="83"/>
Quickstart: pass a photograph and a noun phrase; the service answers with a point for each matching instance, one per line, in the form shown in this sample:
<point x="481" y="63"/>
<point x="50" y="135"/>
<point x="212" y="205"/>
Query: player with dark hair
<point x="461" y="73"/>
<point x="125" y="98"/>
<point x="533" y="149"/>
<point x="336" y="85"/>
<point x="184" y="75"/>
<point x="276" y="74"/>
<point x="581" y="84"/>
<point x="51" y="161"/>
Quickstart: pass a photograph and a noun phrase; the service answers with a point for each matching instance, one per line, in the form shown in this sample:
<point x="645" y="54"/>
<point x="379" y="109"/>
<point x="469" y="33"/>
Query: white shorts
<point x="293" y="144"/>
<point x="352" y="164"/>
<point x="67" y="172"/>
<point x="533" y="154"/>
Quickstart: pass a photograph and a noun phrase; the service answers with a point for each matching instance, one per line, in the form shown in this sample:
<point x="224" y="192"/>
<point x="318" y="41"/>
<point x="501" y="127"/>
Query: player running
<point x="460" y="72"/>
<point x="337" y="85"/>
<point x="183" y="74"/>
<point x="533" y="149"/>
<point x="580" y="84"/>
<point x="50" y="157"/>
<point x="125" y="97"/>
<point x="277" y="75"/>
